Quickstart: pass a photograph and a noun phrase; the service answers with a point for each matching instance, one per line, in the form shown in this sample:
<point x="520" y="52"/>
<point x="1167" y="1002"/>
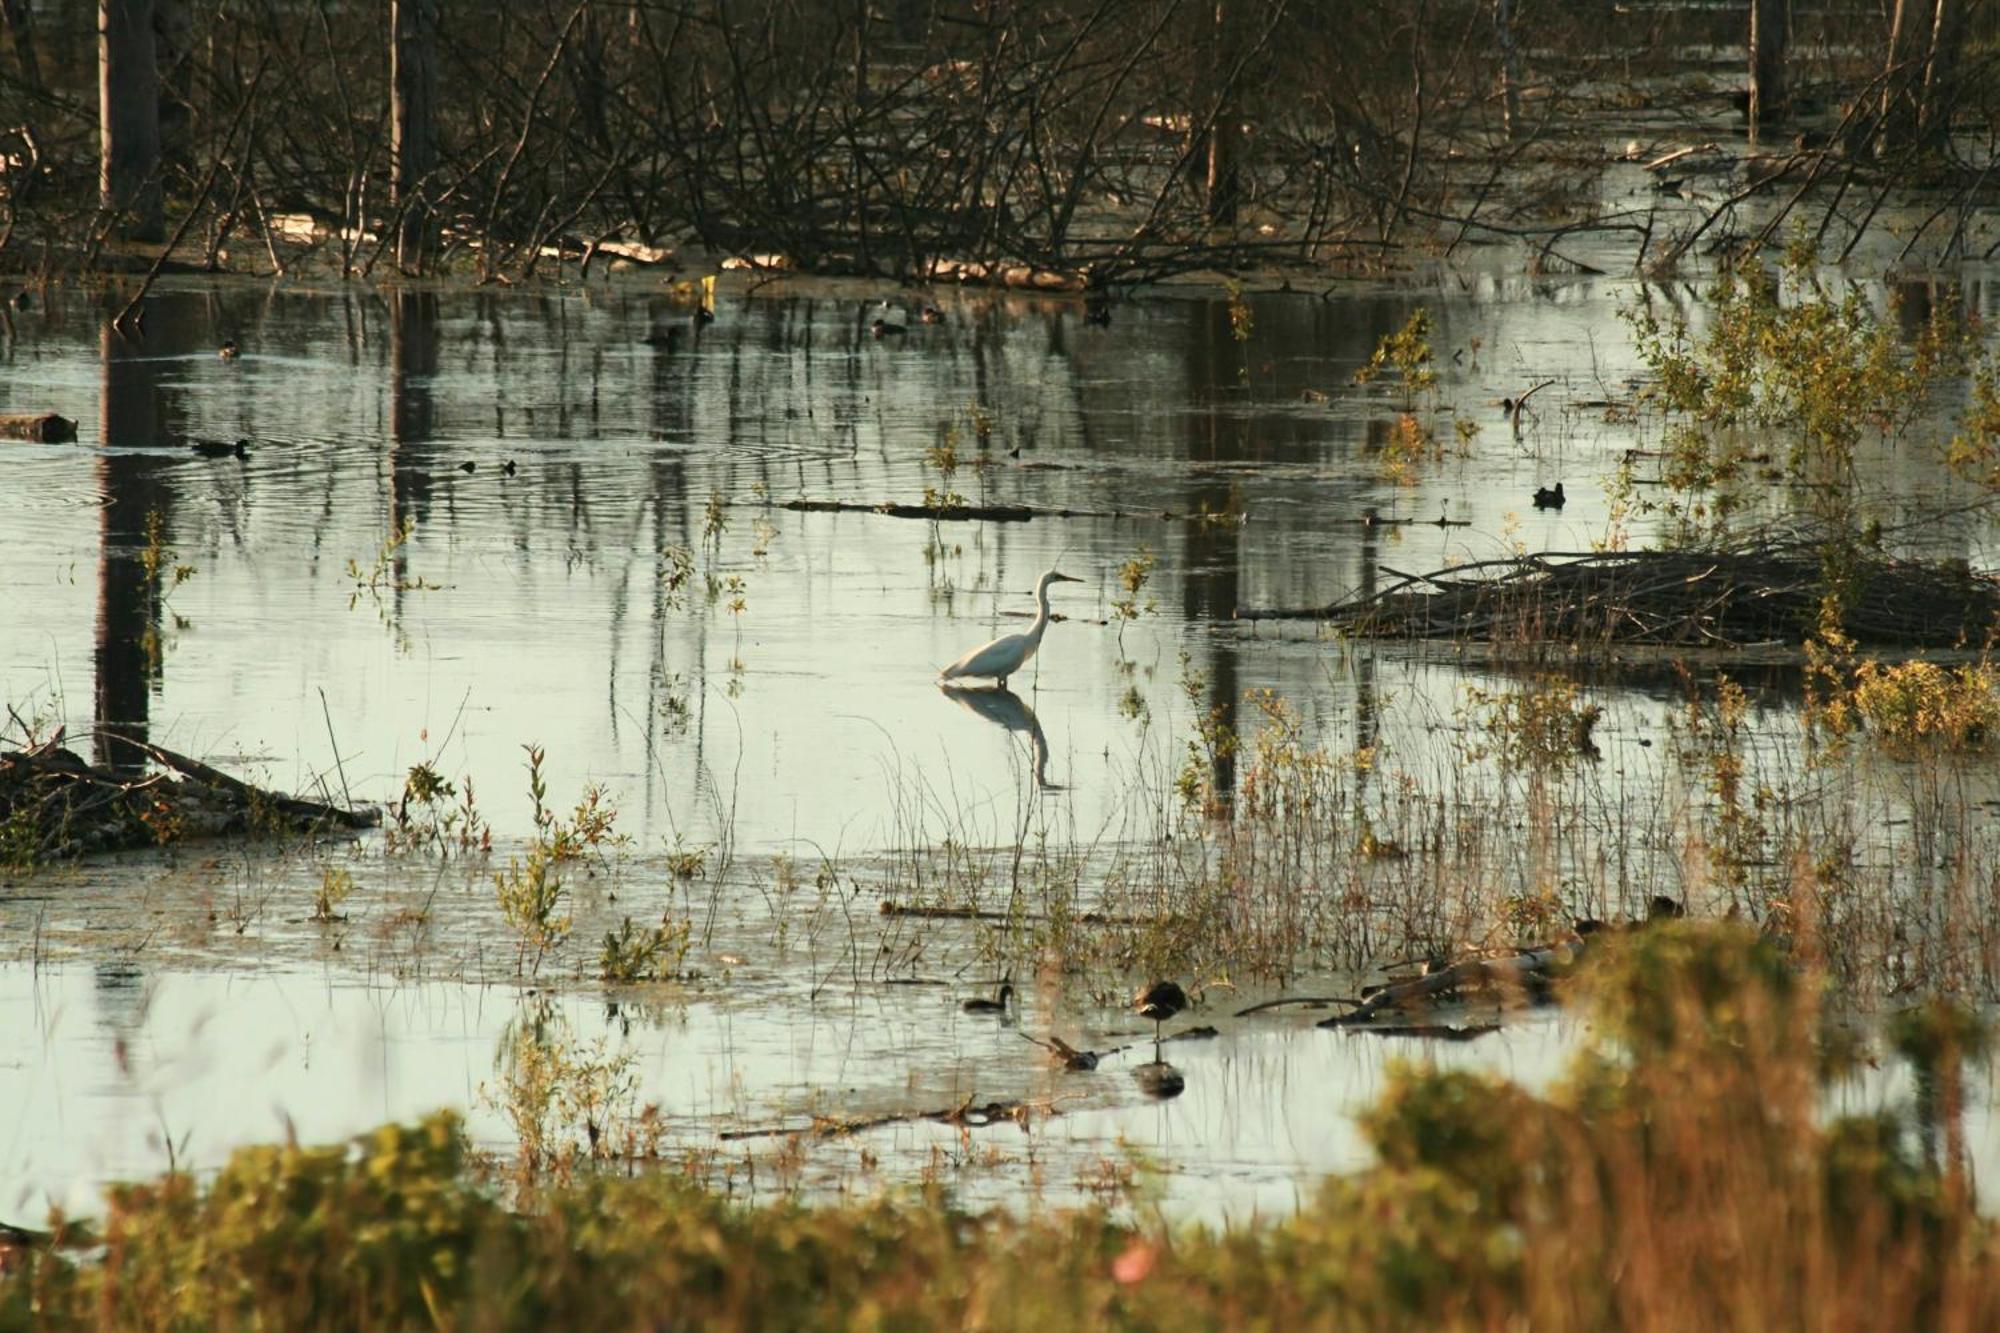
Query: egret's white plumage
<point x="1006" y="654"/>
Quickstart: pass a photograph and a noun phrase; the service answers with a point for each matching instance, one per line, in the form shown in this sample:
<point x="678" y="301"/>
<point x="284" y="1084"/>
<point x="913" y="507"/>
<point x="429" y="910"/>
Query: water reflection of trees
<point x="136" y="490"/>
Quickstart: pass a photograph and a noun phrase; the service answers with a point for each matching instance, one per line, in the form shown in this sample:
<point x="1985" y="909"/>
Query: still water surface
<point x="771" y="690"/>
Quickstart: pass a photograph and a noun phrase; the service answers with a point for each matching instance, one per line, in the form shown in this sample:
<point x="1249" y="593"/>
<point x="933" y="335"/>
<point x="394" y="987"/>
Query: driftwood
<point x="890" y="907"/>
<point x="42" y="427"/>
<point x="1307" y="1001"/>
<point x="1429" y="1031"/>
<point x="55" y="806"/>
<point x="968" y="513"/>
<point x="1715" y="599"/>
<point x="1528" y="971"/>
<point x="966" y="1115"/>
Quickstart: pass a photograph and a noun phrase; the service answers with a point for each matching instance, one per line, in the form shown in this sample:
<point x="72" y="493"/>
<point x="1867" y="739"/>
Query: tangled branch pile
<point x="1717" y="599"/>
<point x="54" y="806"/>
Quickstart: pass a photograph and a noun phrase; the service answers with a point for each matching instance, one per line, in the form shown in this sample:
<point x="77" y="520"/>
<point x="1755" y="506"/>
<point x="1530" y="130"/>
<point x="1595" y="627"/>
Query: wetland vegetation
<point x="481" y="839"/>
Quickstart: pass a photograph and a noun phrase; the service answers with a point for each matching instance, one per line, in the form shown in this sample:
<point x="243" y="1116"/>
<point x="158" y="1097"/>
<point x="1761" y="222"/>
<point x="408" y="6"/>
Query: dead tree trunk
<point x="1940" y="94"/>
<point x="1909" y="30"/>
<point x="413" y="26"/>
<point x="1767" y="63"/>
<point x="128" y="89"/>
<point x="19" y="24"/>
<point x="173" y="51"/>
<point x="1510" y="67"/>
<point x="1225" y="134"/>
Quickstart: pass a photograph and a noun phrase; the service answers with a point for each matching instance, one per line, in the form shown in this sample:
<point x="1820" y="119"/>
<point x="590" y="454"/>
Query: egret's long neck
<point x="1042" y="612"/>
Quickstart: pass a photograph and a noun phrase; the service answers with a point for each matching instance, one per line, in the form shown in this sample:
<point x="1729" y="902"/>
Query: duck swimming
<point x="982" y="1005"/>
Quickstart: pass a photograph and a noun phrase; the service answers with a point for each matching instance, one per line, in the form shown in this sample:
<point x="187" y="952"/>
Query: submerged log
<point x="967" y="1114"/>
<point x="42" y="427"/>
<point x="970" y="513"/>
<point x="55" y="806"/>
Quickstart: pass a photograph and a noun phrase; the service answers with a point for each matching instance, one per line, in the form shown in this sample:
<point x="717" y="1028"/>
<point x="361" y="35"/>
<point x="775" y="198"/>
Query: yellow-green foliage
<point x="1975" y="450"/>
<point x="1680" y="1178"/>
<point x="1784" y="355"/>
<point x="1920" y="705"/>
<point x="1543" y="725"/>
<point x="1909" y="707"/>
<point x="1408" y="352"/>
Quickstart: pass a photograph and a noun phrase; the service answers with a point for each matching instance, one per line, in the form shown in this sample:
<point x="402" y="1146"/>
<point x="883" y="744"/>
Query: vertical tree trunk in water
<point x="1909" y="30"/>
<point x="1941" y="72"/>
<point x="587" y="74"/>
<point x="412" y="120"/>
<point x="173" y="51"/>
<point x="1510" y="67"/>
<point x="1767" y="62"/>
<point x="1224" y="137"/>
<point x="128" y="93"/>
<point x="20" y="30"/>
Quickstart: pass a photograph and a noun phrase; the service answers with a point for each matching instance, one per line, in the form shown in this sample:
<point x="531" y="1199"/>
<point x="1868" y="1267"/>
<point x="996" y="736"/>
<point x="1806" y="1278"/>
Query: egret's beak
<point x="1067" y="578"/>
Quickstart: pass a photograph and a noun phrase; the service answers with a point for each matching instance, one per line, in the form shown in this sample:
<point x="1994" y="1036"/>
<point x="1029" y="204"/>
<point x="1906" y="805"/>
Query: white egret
<point x="1008" y="653"/>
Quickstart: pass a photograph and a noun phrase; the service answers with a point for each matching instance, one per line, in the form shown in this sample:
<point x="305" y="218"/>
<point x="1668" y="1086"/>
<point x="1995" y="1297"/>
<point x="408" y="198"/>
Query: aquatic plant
<point x="685" y="862"/>
<point x="531" y="893"/>
<point x="1544" y="725"/>
<point x="567" y="1101"/>
<point x="336" y="885"/>
<point x="162" y="573"/>
<point x="652" y="954"/>
<point x="1918" y="705"/>
<point x="1785" y="379"/>
<point x="1681" y="1176"/>
<point x="1133" y="576"/>
<point x="384" y="573"/>
<point x="1408" y="353"/>
<point x="436" y="814"/>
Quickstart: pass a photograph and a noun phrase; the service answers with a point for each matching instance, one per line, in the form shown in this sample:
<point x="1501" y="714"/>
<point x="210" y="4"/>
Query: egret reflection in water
<point x="1006" y="709"/>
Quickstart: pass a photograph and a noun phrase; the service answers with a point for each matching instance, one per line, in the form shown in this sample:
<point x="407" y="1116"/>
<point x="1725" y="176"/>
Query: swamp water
<point x="754" y="689"/>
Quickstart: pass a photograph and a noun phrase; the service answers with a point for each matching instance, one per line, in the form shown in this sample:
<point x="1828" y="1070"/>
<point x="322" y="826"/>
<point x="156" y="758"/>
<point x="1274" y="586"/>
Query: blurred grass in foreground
<point x="1681" y="1177"/>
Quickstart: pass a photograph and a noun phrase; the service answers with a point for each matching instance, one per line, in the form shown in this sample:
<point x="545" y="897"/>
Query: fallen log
<point x="1529" y="970"/>
<point x="1732" y="599"/>
<point x="890" y="907"/>
<point x="1429" y="1031"/>
<point x="970" y="513"/>
<point x="935" y="513"/>
<point x="41" y="427"/>
<point x="965" y="1115"/>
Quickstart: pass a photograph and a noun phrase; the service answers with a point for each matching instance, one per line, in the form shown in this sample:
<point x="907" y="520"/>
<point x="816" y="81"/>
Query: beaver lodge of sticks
<point x="54" y="806"/>
<point x="1751" y="596"/>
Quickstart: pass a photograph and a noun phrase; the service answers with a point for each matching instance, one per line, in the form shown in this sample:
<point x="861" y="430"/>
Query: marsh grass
<point x="1683" y="1175"/>
<point x="1255" y="847"/>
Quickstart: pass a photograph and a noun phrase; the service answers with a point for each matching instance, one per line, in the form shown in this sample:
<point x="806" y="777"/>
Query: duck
<point x="930" y="314"/>
<point x="1159" y="1002"/>
<point x="468" y="466"/>
<point x="220" y="448"/>
<point x="507" y="468"/>
<point x="998" y="1005"/>
<point x="883" y="328"/>
<point x="1545" y="498"/>
<point x="228" y="349"/>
